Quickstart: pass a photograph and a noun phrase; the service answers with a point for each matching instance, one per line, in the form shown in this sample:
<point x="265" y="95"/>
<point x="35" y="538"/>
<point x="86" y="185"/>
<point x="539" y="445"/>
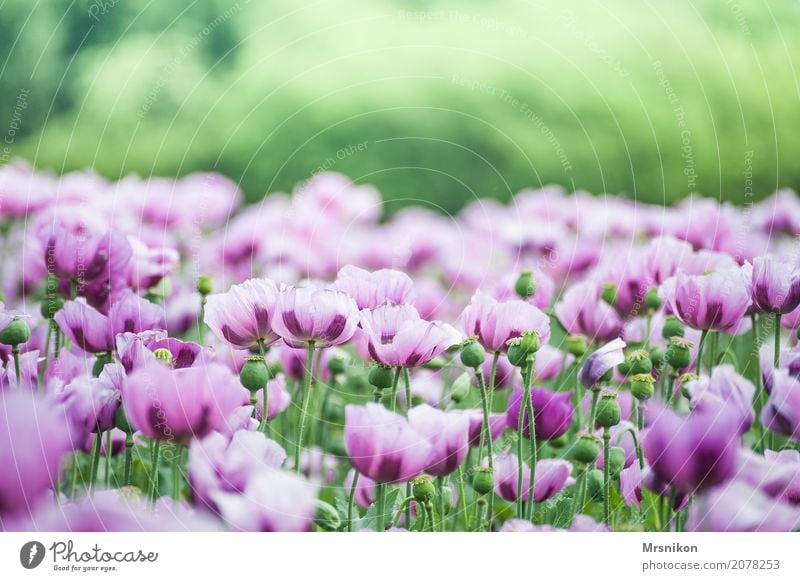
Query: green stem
<point x="98" y="442"/>
<point x="263" y="427"/>
<point x="15" y="353"/>
<point x="462" y="500"/>
<point x="176" y="474"/>
<point x="380" y="498"/>
<point x="486" y="436"/>
<point x="479" y="514"/>
<point x="351" y="501"/>
<point x="128" y="458"/>
<point x="46" y="362"/>
<point x="593" y="409"/>
<point x="699" y="365"/>
<point x="607" y="476"/>
<point x="395" y="383"/>
<point x="407" y="382"/>
<point x="306" y="396"/>
<point x="534" y="448"/>
<point x="637" y="447"/>
<point x="776" y="361"/>
<point x="108" y="459"/>
<point x="759" y="383"/>
<point x="153" y="494"/>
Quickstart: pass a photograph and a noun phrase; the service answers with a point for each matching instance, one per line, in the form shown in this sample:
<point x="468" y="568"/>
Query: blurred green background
<point x="438" y="101"/>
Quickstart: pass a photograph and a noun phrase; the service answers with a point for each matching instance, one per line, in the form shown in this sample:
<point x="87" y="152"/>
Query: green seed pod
<point x="685" y="379"/>
<point x="325" y="516"/>
<point x="337" y="364"/>
<point x="559" y="442"/>
<point x="164" y="356"/>
<point x="657" y="356"/>
<point x="642" y="386"/>
<point x="525" y="285"/>
<point x="522" y="348"/>
<point x="16" y="332"/>
<point x="381" y="377"/>
<point x="473" y="354"/>
<point x="51" y="304"/>
<point x="616" y="460"/>
<point x="679" y="355"/>
<point x="254" y="374"/>
<point x="639" y="361"/>
<point x="483" y="481"/>
<point x="594" y="485"/>
<point x="159" y="292"/>
<point x="205" y="284"/>
<point x="577" y="345"/>
<point x="436" y="363"/>
<point x="334" y="410"/>
<point x="651" y="300"/>
<point x="610" y="293"/>
<point x="608" y="412"/>
<point x="460" y="389"/>
<point x="585" y="449"/>
<point x="673" y="328"/>
<point x="423" y="489"/>
<point x="121" y="420"/>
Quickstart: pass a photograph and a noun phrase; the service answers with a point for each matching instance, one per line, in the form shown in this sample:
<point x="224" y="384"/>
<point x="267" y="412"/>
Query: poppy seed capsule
<point x="657" y="356"/>
<point x="651" y="299"/>
<point x="163" y="356"/>
<point x="254" y="374"/>
<point x="639" y="362"/>
<point x="15" y="333"/>
<point x="473" y="354"/>
<point x="616" y="460"/>
<point x="609" y="293"/>
<point x="678" y="355"/>
<point x="608" y="412"/>
<point x="642" y="386"/>
<point x="577" y="345"/>
<point x="673" y="328"/>
<point x="594" y="485"/>
<point x="121" y="420"/>
<point x="684" y="380"/>
<point x="525" y="286"/>
<point x="435" y="364"/>
<point x="585" y="449"/>
<point x="381" y="377"/>
<point x="520" y="349"/>
<point x="483" y="481"/>
<point x="337" y="365"/>
<point x="422" y="488"/>
<point x="325" y="516"/>
<point x="51" y="304"/>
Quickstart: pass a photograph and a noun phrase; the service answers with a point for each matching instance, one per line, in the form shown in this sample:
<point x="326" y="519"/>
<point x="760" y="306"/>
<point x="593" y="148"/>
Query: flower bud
<point x="585" y="449"/>
<point x="15" y="333"/>
<point x="381" y="377"/>
<point x="608" y="413"/>
<point x="159" y="292"/>
<point x="616" y="460"/>
<point x="522" y="348"/>
<point x="525" y="285"/>
<point x="325" y="516"/>
<point x="679" y="355"/>
<point x="205" y="284"/>
<point x="422" y="488"/>
<point x="559" y="442"/>
<point x="121" y="420"/>
<point x="642" y="386"/>
<point x="51" y="304"/>
<point x="334" y="410"/>
<point x="639" y="362"/>
<point x="435" y="364"/>
<point x="100" y="362"/>
<point x="483" y="481"/>
<point x="657" y="356"/>
<point x="473" y="354"/>
<point x="460" y="389"/>
<point x="594" y="485"/>
<point x="673" y="328"/>
<point x="651" y="299"/>
<point x="609" y="293"/>
<point x="254" y="374"/>
<point x="337" y="364"/>
<point x="577" y="345"/>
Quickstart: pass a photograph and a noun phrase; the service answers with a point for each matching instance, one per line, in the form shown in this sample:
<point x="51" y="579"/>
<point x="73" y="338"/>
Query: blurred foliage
<point x="450" y="99"/>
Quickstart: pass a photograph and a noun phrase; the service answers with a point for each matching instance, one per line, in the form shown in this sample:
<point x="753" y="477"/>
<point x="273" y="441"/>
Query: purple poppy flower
<point x="497" y="425"/>
<point x="725" y="388"/>
<point x="692" y="453"/>
<point x="272" y="501"/>
<point x="382" y="445"/>
<point x="781" y="413"/>
<point x="278" y="398"/>
<point x="118" y="438"/>
<point x="777" y="474"/>
<point x="85" y="326"/>
<point x="552" y="412"/>
<point x="372" y="289"/>
<point x="217" y="463"/>
<point x="317" y="465"/>
<point x="365" y="489"/>
<point x="495" y="323"/>
<point x="90" y="405"/>
<point x="598" y="363"/>
<point x="550" y="362"/>
<point x="325" y="316"/>
<point x="630" y="484"/>
<point x="776" y="285"/>
<point x="84" y="256"/>
<point x="166" y="403"/>
<point x="448" y="435"/>
<point x="294" y="362"/>
<point x="504" y="373"/>
<point x="33" y="439"/>
<point x="398" y="337"/>
<point x="740" y="507"/>
<point x="582" y="311"/>
<point x="243" y="316"/>
<point x="134" y="314"/>
<point x="149" y="265"/>
<point x="552" y="476"/>
<point x="716" y="301"/>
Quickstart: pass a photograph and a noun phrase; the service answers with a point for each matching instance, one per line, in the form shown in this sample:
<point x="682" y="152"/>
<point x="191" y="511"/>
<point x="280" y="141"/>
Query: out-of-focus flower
<point x="600" y="362"/>
<point x="724" y="389"/>
<point x="305" y="314"/>
<point x="84" y="256"/>
<point x="398" y="337"/>
<point x="740" y="507"/>
<point x="372" y="289"/>
<point x="781" y="413"/>
<point x="776" y="285"/>
<point x="550" y="362"/>
<point x="365" y="489"/>
<point x="90" y="404"/>
<point x="775" y="473"/>
<point x="497" y="425"/>
<point x="448" y="435"/>
<point x="552" y="412"/>
<point x="166" y="404"/>
<point x="278" y="398"/>
<point x="495" y="323"/>
<point x="243" y="316"/>
<point x="552" y="476"/>
<point x="382" y="445"/>
<point x="582" y="311"/>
